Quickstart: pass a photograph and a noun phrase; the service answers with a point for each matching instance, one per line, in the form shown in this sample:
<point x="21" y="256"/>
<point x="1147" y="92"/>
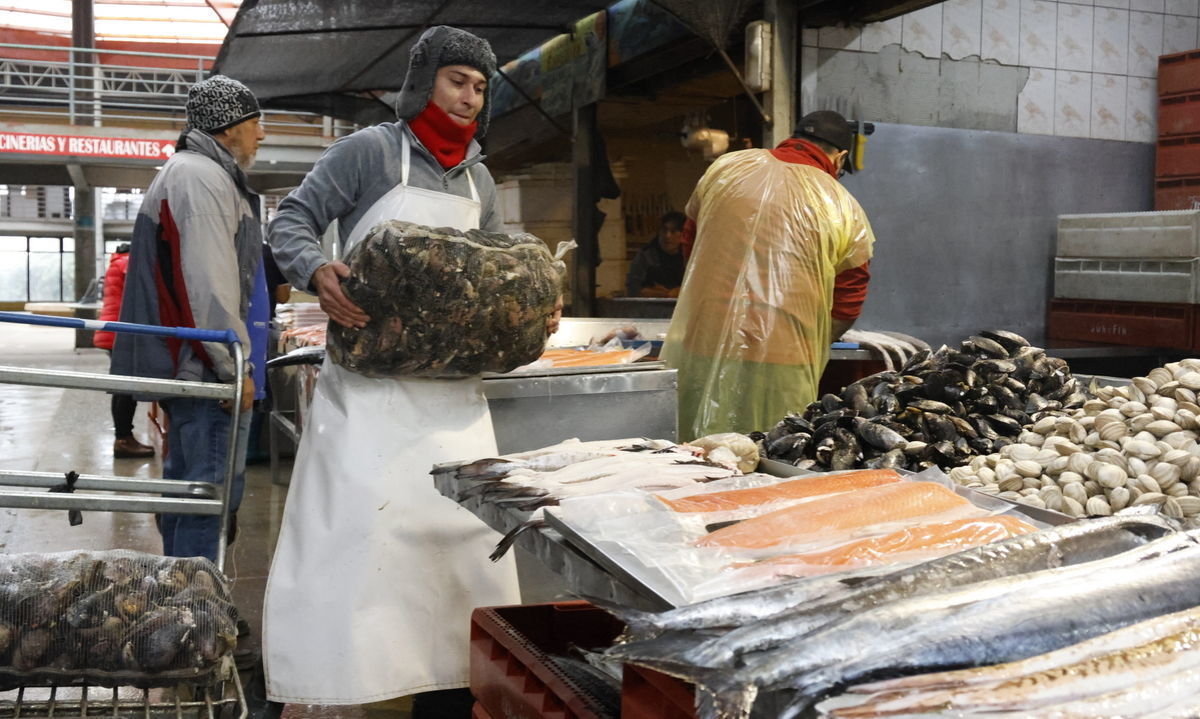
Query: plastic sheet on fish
<point x="1100" y="671"/>
<point x="751" y="330"/>
<point x="112" y="617"/>
<point x="660" y="547"/>
<point x="445" y="303"/>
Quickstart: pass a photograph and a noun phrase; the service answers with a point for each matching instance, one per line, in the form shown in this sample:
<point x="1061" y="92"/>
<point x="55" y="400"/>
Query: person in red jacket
<point x="126" y="445"/>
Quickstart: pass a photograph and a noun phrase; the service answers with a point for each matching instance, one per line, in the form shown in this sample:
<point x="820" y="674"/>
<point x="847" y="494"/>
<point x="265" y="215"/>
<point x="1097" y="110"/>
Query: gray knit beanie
<point x="438" y="47"/>
<point x="218" y="103"/>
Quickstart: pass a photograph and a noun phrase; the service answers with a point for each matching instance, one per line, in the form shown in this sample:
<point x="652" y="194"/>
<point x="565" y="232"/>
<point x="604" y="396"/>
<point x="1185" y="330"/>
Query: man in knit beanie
<point x="364" y="532"/>
<point x="194" y="261"/>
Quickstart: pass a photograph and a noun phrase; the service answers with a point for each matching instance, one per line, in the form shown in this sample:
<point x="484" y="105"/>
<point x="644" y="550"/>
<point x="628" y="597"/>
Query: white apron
<point x="375" y="574"/>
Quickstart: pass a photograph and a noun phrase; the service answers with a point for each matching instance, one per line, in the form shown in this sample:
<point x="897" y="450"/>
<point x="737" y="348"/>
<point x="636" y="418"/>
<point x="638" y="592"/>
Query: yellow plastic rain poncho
<point x="751" y="331"/>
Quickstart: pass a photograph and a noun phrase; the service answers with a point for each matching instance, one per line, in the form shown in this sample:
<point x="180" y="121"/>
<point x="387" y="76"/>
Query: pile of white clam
<point x="1127" y="446"/>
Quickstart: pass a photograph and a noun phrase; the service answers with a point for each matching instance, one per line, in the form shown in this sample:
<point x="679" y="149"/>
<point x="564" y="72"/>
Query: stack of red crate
<point x="1177" y="165"/>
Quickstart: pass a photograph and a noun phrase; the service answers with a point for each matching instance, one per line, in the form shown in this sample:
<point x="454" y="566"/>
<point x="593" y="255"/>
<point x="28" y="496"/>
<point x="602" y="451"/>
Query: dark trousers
<point x="123" y="407"/>
<point x="444" y="704"/>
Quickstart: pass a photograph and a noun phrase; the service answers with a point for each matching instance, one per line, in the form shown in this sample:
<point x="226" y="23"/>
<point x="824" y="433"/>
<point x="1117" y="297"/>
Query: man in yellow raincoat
<point x="775" y="231"/>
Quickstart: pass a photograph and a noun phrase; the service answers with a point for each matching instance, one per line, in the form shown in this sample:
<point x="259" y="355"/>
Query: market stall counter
<point x="536" y="407"/>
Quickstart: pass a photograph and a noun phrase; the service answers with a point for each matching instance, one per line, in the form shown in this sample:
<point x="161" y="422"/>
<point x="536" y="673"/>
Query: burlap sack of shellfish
<point x="112" y="618"/>
<point x="446" y="303"/>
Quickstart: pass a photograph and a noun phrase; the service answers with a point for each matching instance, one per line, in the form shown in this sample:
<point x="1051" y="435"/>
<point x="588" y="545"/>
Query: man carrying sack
<point x="375" y="574"/>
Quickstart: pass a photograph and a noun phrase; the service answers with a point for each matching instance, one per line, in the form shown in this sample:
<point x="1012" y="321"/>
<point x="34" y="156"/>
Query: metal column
<point x="780" y="100"/>
<point x="583" y="284"/>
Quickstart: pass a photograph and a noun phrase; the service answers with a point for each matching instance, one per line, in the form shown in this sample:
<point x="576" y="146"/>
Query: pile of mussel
<point x="940" y="409"/>
<point x="112" y="615"/>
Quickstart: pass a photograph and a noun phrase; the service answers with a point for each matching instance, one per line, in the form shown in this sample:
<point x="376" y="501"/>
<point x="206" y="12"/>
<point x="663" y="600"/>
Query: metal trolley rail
<point x="90" y="492"/>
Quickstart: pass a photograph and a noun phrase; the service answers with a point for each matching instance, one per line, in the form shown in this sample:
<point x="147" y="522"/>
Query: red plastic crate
<point x="1179" y="73"/>
<point x="510" y="674"/>
<point x="1177" y="157"/>
<point x="1179" y="115"/>
<point x="647" y="694"/>
<point x="1140" y="324"/>
<point x="1177" y="193"/>
<point x="478" y="712"/>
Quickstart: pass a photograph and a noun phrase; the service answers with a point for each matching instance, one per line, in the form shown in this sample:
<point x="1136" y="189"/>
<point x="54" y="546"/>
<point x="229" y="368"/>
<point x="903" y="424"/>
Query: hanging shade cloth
<point x="325" y="55"/>
<point x="716" y="20"/>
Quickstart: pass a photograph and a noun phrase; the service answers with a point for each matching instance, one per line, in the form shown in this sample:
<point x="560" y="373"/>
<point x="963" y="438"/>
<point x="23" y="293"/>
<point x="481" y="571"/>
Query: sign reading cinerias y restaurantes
<point x="85" y="146"/>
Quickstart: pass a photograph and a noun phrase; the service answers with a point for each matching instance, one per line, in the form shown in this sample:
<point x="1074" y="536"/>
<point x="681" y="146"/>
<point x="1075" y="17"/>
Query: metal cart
<point x="224" y="697"/>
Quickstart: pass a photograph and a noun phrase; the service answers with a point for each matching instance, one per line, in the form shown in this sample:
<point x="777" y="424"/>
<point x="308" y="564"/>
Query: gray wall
<point x="965" y="222"/>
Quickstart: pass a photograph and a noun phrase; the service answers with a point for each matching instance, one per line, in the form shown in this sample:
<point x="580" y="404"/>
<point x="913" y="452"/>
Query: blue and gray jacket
<point x="194" y="255"/>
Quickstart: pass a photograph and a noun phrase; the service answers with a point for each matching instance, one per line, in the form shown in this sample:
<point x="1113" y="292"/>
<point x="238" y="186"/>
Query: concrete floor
<point x="59" y="430"/>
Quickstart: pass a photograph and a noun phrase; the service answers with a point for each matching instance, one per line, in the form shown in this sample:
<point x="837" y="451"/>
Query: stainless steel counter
<point x="531" y="410"/>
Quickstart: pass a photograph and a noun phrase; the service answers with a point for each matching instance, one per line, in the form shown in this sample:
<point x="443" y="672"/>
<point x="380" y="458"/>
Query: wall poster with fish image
<point x="726" y="536"/>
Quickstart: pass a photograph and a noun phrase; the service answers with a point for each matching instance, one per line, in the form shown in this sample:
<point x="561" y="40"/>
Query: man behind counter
<point x="657" y="270"/>
<point x="778" y="269"/>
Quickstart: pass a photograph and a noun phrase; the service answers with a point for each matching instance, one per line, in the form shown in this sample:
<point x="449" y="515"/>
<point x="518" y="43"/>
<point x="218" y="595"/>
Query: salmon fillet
<point x="793" y="489"/>
<point x="838" y="513"/>
<point x="950" y="536"/>
<point x="584" y="358"/>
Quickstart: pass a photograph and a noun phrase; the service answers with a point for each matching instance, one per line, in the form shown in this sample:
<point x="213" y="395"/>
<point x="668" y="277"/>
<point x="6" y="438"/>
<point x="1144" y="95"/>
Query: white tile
<point x="810" y="58"/>
<point x="1039" y="23"/>
<point x="1183" y="7"/>
<point x="1074" y="37"/>
<point x="1001" y="38"/>
<point x="1110" y="42"/>
<point x="1146" y="5"/>
<point x="1035" y="103"/>
<point x="1141" y="110"/>
<point x="809" y="37"/>
<point x="838" y="37"/>
<point x="1179" y="34"/>
<point x="1145" y="43"/>
<point x="1108" y="106"/>
<point x="962" y="23"/>
<point x="879" y="35"/>
<point x="923" y="31"/>
<point x="1072" y="103"/>
<point x="1122" y="4"/>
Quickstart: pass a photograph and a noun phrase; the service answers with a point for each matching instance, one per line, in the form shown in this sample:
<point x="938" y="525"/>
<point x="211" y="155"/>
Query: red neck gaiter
<point x="442" y="136"/>
<point x="803" y="152"/>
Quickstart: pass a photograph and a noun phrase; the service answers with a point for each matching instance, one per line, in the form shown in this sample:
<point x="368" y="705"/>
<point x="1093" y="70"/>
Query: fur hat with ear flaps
<point x="438" y="47"/>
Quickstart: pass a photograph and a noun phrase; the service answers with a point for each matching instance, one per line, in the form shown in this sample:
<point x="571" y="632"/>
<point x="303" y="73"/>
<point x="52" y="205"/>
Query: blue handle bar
<point x="183" y="333"/>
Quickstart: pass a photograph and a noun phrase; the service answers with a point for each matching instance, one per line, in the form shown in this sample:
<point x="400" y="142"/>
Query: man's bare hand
<point x="247" y="396"/>
<point x="327" y="282"/>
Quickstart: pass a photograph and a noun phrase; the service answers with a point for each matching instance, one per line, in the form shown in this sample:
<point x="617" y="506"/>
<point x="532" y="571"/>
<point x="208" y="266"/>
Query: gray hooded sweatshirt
<point x="349" y="177"/>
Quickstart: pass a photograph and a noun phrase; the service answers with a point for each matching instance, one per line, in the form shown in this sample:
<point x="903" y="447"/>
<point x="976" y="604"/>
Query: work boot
<point x="130" y="448"/>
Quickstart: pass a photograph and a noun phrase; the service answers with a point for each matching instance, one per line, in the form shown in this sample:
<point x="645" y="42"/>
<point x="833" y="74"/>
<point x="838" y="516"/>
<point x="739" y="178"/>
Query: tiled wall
<point x="1092" y="64"/>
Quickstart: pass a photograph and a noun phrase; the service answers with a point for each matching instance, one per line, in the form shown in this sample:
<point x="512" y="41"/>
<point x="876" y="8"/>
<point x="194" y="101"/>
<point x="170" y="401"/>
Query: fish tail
<point x="480" y="487"/>
<point x="725" y="702"/>
<point x="507" y="540"/>
<point x="797" y="706"/>
<point x="489" y="468"/>
<point x="639" y="625"/>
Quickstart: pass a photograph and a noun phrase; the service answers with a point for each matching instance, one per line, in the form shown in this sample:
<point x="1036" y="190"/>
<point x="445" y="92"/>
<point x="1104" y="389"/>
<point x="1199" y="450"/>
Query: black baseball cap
<point x="827" y="126"/>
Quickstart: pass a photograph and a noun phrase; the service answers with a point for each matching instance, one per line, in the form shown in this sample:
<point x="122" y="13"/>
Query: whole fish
<point x="1114" y="670"/>
<point x="1173" y="696"/>
<point x="986" y="623"/>
<point x="547" y="458"/>
<point x="735" y="609"/>
<point x="789" y="616"/>
<point x="967" y="679"/>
